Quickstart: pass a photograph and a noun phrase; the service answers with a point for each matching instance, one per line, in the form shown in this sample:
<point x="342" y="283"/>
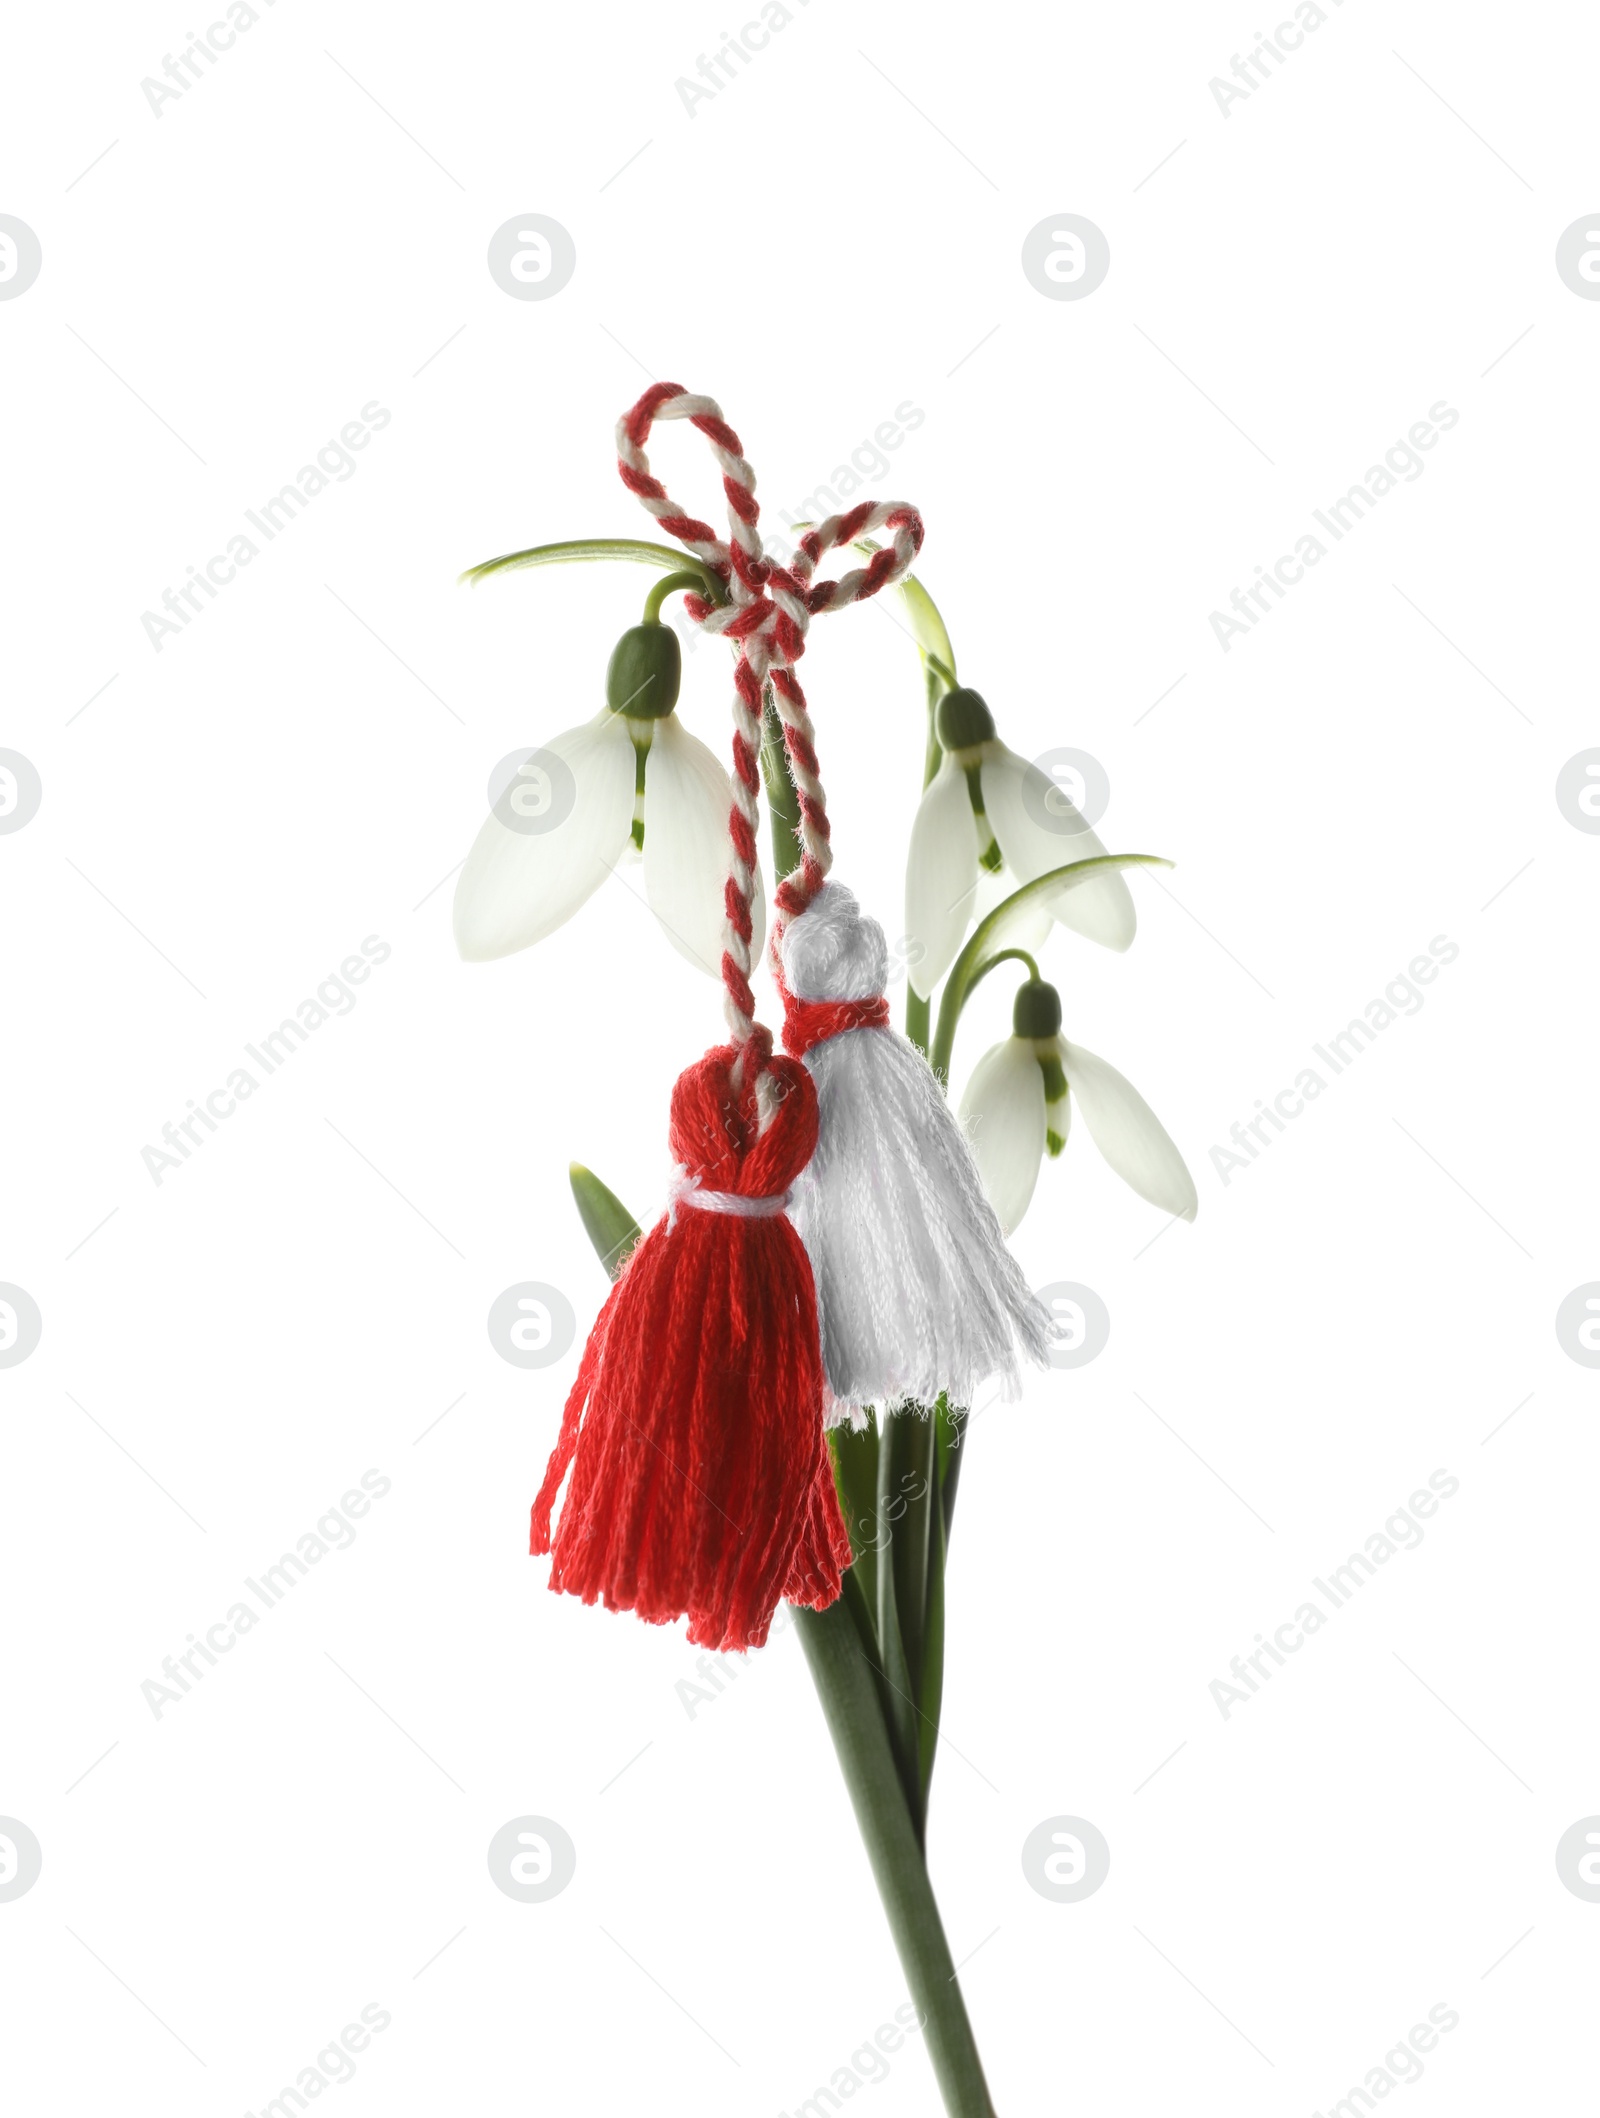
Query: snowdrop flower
<point x="1017" y="1108"/>
<point x="632" y="782"/>
<point x="986" y="806"/>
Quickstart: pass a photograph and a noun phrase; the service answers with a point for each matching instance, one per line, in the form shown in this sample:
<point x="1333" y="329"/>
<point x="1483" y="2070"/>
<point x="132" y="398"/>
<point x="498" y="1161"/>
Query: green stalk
<point x="897" y="1618"/>
<point x="971" y="964"/>
<point x="938" y="677"/>
<point x="668" y="585"/>
<point x="661" y="555"/>
<point x="855" y="1473"/>
<point x="911" y="1453"/>
<point x="849" y="1696"/>
<point x="783" y="804"/>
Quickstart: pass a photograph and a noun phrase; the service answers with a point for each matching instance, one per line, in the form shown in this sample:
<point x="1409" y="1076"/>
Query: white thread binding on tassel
<point x="685" y="1190"/>
<point x="916" y="1290"/>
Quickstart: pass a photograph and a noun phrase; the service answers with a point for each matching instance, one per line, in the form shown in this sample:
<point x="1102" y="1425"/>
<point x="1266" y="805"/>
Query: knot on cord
<point x="764" y="610"/>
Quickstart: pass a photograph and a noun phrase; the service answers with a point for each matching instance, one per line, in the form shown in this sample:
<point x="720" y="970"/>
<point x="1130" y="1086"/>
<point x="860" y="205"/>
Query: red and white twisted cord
<point x="767" y="615"/>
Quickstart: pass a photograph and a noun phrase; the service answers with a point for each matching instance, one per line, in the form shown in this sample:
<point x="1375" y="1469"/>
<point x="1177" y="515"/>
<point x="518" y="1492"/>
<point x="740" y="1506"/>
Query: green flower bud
<point x="642" y="675"/>
<point x="1036" y="1012"/>
<point x="964" y="720"/>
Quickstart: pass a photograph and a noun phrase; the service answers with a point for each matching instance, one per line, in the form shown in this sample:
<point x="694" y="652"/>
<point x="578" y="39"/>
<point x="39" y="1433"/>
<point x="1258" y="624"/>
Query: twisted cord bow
<point x="767" y="615"/>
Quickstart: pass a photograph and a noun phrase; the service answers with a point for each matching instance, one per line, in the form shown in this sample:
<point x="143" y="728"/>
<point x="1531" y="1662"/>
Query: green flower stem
<point x="952" y="1447"/>
<point x="849" y="1696"/>
<point x="919" y="1015"/>
<point x="939" y="676"/>
<point x="911" y="1456"/>
<point x="584" y="548"/>
<point x="669" y="585"/>
<point x="783" y="804"/>
<point x="855" y="1463"/>
<point x="1001" y="956"/>
<point x="970" y="965"/>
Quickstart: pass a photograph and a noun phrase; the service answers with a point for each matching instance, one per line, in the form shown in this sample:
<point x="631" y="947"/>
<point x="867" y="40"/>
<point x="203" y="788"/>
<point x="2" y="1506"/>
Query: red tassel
<point x="701" y="1481"/>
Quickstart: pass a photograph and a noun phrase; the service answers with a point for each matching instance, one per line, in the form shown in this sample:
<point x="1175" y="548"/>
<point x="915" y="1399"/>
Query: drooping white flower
<point x="985" y="807"/>
<point x="1018" y="1106"/>
<point x="631" y="783"/>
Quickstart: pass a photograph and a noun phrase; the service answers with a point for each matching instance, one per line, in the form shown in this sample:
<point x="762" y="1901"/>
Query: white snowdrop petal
<point x="518" y="885"/>
<point x="1128" y="1133"/>
<point x="1039" y="829"/>
<point x="1003" y="1112"/>
<point x="687" y="796"/>
<point x="941" y="872"/>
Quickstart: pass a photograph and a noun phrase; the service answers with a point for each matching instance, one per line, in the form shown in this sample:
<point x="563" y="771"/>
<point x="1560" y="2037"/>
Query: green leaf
<point x="952" y="1441"/>
<point x="855" y="1467"/>
<point x="606" y="1221"/>
<point x="586" y="548"/>
<point x="931" y="1697"/>
<point x="965" y="971"/>
<point x="850" y="1700"/>
<point x="783" y="804"/>
<point x="912" y="1444"/>
<point x="899" y="1685"/>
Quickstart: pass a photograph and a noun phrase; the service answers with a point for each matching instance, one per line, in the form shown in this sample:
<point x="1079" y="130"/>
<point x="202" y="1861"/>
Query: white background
<point x="836" y="233"/>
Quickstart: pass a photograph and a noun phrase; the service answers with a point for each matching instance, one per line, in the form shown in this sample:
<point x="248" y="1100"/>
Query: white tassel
<point x="916" y="1290"/>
